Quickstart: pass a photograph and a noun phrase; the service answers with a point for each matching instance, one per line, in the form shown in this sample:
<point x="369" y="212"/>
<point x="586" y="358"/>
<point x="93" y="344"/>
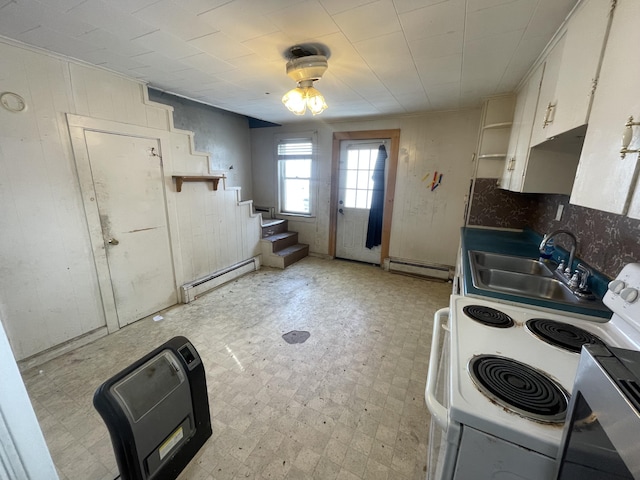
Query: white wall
<point x="425" y="224"/>
<point x="48" y="283"/>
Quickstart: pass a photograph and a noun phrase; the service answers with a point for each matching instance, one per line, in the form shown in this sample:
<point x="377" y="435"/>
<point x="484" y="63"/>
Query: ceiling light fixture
<point x="305" y="70"/>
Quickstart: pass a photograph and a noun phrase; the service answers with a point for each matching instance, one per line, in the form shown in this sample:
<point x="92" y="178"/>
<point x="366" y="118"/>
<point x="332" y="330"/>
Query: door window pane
<point x="352" y="179"/>
<point x="360" y="165"/>
<point x="363" y="179"/>
<point x="350" y="198"/>
<point x="361" y="199"/>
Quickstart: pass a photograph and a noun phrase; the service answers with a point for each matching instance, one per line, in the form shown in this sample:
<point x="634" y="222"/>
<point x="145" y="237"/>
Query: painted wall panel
<point x="47" y="280"/>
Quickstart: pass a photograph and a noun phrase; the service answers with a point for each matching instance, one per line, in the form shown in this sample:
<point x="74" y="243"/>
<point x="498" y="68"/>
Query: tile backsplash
<point x="606" y="241"/>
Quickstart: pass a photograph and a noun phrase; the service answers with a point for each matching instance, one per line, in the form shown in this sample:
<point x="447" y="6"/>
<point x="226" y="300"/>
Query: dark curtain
<point x="374" y="229"/>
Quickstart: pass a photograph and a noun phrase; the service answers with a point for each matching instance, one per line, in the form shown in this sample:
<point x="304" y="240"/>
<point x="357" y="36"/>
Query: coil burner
<point x="563" y="335"/>
<point x="488" y="316"/>
<point x="519" y="388"/>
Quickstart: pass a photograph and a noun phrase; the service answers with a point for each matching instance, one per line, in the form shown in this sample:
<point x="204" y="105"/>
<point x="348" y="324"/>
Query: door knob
<point x="113" y="241"/>
<point x="341" y="211"/>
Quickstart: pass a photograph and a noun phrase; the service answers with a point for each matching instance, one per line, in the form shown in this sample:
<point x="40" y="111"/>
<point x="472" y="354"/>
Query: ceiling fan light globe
<point x="315" y="101"/>
<point x="295" y="101"/>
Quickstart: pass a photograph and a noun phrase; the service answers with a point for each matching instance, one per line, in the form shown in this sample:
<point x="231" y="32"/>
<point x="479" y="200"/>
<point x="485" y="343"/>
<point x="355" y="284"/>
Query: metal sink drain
<point x="296" y="336"/>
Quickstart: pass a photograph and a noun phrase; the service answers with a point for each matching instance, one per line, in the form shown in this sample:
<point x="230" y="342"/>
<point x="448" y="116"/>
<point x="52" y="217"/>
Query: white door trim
<point x="77" y="126"/>
<point x="389" y="194"/>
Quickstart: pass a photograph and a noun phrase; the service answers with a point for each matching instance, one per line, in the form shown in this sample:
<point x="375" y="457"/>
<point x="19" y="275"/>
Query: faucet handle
<point x="586" y="273"/>
<point x="575" y="280"/>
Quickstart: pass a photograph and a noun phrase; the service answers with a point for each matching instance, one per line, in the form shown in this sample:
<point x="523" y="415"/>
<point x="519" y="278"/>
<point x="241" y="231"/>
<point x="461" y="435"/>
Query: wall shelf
<point x="214" y="179"/>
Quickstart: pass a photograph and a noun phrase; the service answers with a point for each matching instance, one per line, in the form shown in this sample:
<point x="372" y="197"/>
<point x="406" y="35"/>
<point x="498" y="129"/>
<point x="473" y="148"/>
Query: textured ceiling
<point x="386" y="57"/>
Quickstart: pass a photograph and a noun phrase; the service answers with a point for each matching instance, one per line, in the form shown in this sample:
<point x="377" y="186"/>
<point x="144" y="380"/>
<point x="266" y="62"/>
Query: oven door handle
<point x="438" y="411"/>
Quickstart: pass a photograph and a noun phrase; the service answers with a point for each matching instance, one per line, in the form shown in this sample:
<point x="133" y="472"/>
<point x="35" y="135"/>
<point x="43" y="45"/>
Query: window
<point x="361" y="161"/>
<point x="295" y="166"/>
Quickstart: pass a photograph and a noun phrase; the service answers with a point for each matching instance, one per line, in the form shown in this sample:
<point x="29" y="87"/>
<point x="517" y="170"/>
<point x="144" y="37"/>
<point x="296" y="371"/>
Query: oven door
<point x="444" y="435"/>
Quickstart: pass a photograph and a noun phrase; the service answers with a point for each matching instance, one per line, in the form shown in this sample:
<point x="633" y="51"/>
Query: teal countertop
<point x="523" y="243"/>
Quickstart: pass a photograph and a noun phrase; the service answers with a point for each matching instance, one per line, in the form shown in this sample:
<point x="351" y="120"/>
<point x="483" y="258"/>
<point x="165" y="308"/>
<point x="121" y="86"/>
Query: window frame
<point x="306" y="137"/>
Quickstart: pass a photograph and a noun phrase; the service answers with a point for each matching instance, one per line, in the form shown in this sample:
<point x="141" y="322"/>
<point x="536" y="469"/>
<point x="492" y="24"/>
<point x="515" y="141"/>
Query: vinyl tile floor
<point x="346" y="404"/>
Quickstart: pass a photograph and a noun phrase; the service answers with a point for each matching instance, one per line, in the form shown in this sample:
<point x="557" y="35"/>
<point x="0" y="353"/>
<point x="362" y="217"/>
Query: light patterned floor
<point x="346" y="404"/>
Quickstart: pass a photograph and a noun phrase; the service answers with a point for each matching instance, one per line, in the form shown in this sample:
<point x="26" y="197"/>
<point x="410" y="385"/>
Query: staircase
<point x="280" y="247"/>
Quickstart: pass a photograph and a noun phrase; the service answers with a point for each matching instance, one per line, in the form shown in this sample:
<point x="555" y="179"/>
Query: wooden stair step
<point x="281" y="240"/>
<point x="293" y="253"/>
<point x="279" y="236"/>
<point x="273" y="227"/>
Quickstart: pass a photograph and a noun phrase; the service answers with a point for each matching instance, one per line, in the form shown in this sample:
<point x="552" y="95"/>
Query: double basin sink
<point x="524" y="277"/>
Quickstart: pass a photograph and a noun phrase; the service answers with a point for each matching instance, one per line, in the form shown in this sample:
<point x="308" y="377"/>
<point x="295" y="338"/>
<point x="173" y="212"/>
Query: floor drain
<point x="296" y="336"/>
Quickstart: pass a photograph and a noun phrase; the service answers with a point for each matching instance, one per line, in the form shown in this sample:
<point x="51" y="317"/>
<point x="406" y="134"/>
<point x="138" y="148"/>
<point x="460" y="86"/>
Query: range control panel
<point x="623" y="292"/>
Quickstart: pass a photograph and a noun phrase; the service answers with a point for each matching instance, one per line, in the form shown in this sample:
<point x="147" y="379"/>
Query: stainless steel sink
<point x="533" y="286"/>
<point x="523" y="277"/>
<point x="509" y="263"/>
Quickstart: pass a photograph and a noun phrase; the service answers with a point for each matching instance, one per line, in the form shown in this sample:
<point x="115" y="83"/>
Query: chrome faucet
<point x="572" y="252"/>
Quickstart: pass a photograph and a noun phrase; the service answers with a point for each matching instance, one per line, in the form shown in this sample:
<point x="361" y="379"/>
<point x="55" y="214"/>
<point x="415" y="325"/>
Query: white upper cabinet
<point x="604" y="180"/>
<point x="545" y="168"/>
<point x="547" y="96"/>
<point x="579" y="67"/>
<point x="554" y="104"/>
<point x="507" y="173"/>
<point x="520" y="138"/>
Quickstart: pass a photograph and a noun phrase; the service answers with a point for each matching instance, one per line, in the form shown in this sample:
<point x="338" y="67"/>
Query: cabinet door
<point x="585" y="39"/>
<point x="605" y="181"/>
<point x="530" y="92"/>
<point x="547" y="93"/>
<point x="507" y="173"/>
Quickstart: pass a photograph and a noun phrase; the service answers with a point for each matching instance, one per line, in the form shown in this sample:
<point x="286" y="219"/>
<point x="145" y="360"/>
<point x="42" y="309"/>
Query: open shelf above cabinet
<point x="214" y="179"/>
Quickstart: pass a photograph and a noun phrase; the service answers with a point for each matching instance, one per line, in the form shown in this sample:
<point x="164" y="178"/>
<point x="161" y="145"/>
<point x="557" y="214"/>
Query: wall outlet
<point x="559" y="212"/>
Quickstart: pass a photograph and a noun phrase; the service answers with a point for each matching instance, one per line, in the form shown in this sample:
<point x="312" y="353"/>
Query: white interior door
<point x="128" y="181"/>
<point x="357" y="162"/>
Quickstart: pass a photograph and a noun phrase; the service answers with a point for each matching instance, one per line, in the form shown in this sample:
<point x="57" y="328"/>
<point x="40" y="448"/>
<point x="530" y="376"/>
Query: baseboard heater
<point x="192" y="290"/>
<point x="442" y="272"/>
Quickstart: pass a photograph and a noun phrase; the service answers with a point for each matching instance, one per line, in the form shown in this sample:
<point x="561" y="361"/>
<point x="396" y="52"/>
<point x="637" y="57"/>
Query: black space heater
<point x="157" y="411"/>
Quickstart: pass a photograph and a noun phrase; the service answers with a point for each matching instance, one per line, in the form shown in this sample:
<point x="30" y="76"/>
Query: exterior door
<point x="128" y="181"/>
<point x="357" y="163"/>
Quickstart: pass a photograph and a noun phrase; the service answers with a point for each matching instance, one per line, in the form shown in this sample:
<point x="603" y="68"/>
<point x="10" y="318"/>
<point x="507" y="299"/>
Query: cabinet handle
<point x="547" y="117"/>
<point x="627" y="136"/>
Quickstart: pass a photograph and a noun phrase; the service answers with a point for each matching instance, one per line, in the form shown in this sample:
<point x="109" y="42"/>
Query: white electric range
<point x="498" y="392"/>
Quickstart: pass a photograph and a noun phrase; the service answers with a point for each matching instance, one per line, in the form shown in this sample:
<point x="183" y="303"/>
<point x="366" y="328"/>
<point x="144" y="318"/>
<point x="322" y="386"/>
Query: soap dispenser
<point x="546" y="254"/>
